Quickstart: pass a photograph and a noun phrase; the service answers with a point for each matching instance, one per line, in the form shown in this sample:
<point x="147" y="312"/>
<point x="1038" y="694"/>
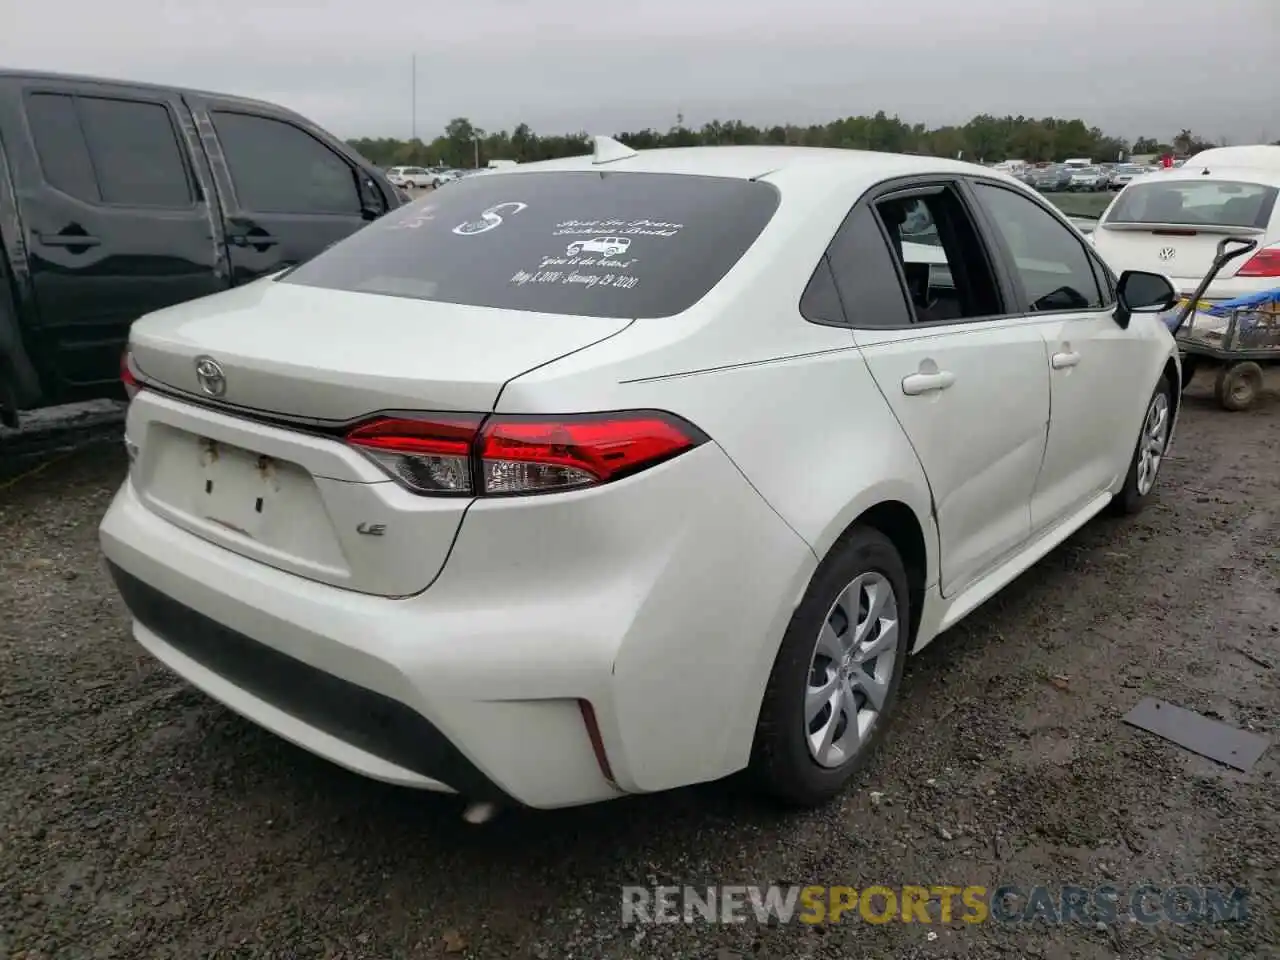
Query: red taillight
<point x="504" y="455"/>
<point x="530" y="454"/>
<point x="426" y="455"/>
<point x="127" y="376"/>
<point x="1264" y="263"/>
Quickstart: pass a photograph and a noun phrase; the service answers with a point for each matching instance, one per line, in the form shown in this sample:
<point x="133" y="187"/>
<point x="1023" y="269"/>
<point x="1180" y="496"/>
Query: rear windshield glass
<point x="1226" y="203"/>
<point x="584" y="243"/>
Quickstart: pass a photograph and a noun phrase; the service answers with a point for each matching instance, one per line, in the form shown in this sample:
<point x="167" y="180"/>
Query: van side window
<point x="101" y="150"/>
<point x="136" y="153"/>
<point x="60" y="145"/>
<point x="278" y="168"/>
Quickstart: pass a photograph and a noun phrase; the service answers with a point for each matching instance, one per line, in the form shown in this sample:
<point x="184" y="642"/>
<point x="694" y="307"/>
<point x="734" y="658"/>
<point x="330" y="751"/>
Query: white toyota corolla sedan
<point x="460" y="511"/>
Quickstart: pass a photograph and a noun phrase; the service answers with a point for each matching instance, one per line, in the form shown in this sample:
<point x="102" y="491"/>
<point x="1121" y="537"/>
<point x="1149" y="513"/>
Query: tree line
<point x="984" y="138"/>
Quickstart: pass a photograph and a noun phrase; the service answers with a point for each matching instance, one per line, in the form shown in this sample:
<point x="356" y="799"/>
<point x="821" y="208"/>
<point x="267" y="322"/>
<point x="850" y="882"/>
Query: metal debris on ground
<point x="1218" y="741"/>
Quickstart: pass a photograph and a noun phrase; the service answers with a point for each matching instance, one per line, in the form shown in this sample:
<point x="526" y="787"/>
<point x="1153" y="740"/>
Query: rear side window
<point x="279" y="168"/>
<point x="866" y="274"/>
<point x="1218" y="203"/>
<point x="135" y="152"/>
<point x="584" y="243"/>
<point x="60" y="144"/>
<point x="112" y="151"/>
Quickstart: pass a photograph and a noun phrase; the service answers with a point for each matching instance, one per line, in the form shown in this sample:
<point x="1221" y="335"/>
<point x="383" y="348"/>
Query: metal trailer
<point x="1238" y="340"/>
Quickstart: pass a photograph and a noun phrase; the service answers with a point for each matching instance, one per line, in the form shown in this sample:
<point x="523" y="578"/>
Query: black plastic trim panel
<point x="356" y="715"/>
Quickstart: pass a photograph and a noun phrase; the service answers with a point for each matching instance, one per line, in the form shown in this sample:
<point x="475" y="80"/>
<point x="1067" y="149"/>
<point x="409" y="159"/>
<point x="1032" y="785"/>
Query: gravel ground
<point x="142" y="820"/>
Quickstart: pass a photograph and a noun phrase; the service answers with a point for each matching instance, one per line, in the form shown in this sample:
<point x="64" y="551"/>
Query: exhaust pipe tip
<point x="478" y="813"/>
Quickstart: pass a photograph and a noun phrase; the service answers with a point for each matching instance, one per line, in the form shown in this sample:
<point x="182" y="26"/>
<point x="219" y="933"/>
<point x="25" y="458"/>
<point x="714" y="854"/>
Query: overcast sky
<point x="1132" y="67"/>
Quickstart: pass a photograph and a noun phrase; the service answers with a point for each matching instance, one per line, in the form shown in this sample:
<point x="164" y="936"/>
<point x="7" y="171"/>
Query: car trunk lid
<point x="332" y="355"/>
<point x="1172" y="224"/>
<point x="263" y="471"/>
<point x="1183" y="253"/>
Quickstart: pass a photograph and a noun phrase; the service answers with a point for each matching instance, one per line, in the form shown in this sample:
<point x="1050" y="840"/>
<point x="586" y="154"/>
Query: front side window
<point x="276" y="167"/>
<point x="582" y="243"/>
<point x="1049" y="260"/>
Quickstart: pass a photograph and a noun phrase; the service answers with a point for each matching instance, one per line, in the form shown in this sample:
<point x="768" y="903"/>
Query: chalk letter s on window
<point x="489" y="219"/>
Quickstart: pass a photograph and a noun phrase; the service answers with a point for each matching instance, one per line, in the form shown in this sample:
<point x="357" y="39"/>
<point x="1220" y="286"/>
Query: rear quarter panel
<point x="791" y="402"/>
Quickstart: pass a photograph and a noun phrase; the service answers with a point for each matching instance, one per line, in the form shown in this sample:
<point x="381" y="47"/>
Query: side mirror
<point x="1142" y="292"/>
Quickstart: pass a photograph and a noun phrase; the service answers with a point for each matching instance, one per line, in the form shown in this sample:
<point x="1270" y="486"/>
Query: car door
<point x="115" y="211"/>
<point x="287" y="191"/>
<point x="1069" y="294"/>
<point x="967" y="383"/>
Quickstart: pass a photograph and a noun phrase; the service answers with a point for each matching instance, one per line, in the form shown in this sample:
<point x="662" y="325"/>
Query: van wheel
<point x="836" y="677"/>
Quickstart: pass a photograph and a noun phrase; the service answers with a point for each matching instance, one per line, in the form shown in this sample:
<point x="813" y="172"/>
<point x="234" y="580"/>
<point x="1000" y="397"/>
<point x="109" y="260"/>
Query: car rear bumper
<point x="656" y="603"/>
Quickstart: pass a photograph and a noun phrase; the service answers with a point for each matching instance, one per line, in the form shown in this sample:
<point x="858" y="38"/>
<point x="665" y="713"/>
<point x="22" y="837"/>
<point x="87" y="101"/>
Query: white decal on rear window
<point x="624" y="228"/>
<point x="489" y="219"/>
<point x="587" y="271"/>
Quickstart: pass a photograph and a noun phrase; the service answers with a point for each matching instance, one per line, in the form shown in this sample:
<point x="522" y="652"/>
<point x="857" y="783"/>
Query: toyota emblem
<point x="210" y="376"/>
<point x="1167" y="253"/>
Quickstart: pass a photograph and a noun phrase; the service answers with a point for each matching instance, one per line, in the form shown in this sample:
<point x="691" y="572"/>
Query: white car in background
<point x="1262" y="155"/>
<point x="1126" y="173"/>
<point x="417" y="177"/>
<point x="1173" y="223"/>
<point x="1089" y="179"/>
<point x="459" y="517"/>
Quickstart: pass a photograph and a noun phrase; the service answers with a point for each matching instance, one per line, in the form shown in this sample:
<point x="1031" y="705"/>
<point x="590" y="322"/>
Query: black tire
<point x="1189" y="368"/>
<point x="1129" y="500"/>
<point x="781" y="763"/>
<point x="1238" y="385"/>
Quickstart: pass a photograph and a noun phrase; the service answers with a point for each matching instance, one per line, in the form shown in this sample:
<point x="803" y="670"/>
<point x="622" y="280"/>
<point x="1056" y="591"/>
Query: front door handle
<point x="254" y="240"/>
<point x="66" y="240"/>
<point x="918" y="383"/>
<point x="1061" y="361"/>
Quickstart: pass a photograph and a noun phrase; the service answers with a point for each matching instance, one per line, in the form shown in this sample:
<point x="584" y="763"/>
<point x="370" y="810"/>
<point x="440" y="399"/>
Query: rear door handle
<point x="66" y="240"/>
<point x="918" y="383"/>
<point x="258" y="240"/>
<point x="1060" y="361"/>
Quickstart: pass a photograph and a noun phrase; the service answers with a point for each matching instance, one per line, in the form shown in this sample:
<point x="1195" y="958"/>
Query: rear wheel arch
<point x="1175" y="379"/>
<point x="899" y="523"/>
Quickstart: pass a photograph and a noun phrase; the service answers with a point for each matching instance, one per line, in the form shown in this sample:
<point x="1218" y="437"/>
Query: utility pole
<point x="413" y="98"/>
<point x="477" y="143"/>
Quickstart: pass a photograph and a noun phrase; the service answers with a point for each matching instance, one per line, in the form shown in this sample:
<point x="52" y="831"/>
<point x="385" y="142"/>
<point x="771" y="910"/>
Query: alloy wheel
<point x="1151" y="445"/>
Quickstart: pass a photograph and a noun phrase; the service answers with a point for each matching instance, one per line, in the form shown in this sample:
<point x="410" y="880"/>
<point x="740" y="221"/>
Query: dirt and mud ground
<point x="139" y="819"/>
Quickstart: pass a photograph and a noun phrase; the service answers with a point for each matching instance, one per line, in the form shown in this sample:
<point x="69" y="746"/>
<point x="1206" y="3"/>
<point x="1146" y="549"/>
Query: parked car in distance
<point x="435" y="493"/>
<point x="119" y="199"/>
<point x="1172" y="223"/>
<point x="411" y="177"/>
<point x="1087" y="179"/>
<point x="1051" y="178"/>
<point x="1125" y="174"/>
<point x="440" y="177"/>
